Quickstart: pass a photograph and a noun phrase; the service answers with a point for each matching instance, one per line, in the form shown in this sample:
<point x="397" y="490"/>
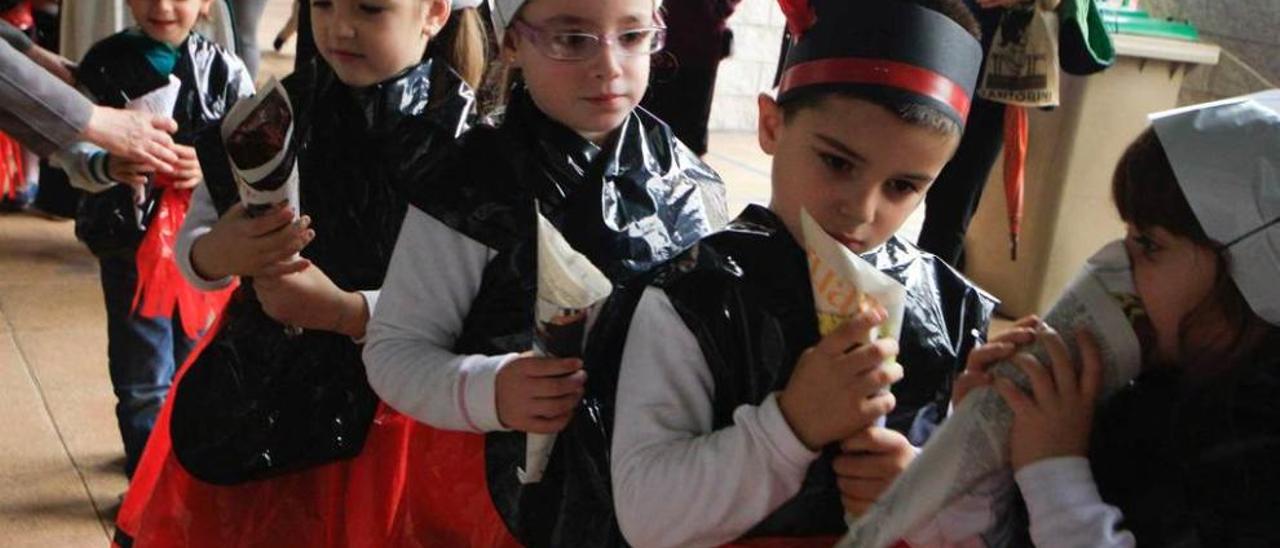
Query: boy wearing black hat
<point x="727" y="397"/>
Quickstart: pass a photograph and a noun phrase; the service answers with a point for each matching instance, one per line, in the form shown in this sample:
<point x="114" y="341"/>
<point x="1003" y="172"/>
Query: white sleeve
<point x="434" y="276"/>
<point x="1065" y="507"/>
<point x="85" y="166"/>
<point x="201" y="216"/>
<point x="664" y="448"/>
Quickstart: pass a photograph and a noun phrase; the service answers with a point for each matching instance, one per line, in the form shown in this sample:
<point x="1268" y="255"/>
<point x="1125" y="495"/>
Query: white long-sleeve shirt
<point x="201" y="216"/>
<point x="1065" y="508"/>
<point x="434" y="277"/>
<point x="665" y="449"/>
<point x="1063" y="505"/>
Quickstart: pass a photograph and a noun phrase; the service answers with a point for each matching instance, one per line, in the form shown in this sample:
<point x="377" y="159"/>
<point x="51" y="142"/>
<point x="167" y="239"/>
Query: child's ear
<point x="206" y="10"/>
<point x="435" y="16"/>
<point x="769" y="124"/>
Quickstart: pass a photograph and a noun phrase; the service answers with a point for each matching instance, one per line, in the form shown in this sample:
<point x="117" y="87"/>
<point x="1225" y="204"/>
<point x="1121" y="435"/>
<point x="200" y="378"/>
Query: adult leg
<point x="954" y="197"/>
<point x="140" y="356"/>
<point x="247" y="14"/>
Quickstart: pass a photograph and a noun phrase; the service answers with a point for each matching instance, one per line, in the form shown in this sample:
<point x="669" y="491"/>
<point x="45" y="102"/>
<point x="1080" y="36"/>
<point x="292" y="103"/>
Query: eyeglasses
<point x="580" y="46"/>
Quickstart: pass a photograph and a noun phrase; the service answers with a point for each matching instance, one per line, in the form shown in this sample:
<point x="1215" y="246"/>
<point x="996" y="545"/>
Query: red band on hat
<point x="880" y="72"/>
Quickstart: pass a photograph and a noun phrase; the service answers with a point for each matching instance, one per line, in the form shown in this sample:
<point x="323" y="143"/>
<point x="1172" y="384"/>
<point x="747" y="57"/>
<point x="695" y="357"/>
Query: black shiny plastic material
<point x="745" y="294"/>
<point x="258" y="401"/>
<point x="1190" y="460"/>
<point x="637" y="201"/>
<point x="115" y="71"/>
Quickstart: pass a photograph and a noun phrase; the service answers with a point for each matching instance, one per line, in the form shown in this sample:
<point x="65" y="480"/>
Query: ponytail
<point x="463" y="43"/>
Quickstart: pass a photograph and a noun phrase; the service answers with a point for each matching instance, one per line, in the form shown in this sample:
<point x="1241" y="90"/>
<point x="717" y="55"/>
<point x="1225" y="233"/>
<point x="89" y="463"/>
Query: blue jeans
<point x="142" y="354"/>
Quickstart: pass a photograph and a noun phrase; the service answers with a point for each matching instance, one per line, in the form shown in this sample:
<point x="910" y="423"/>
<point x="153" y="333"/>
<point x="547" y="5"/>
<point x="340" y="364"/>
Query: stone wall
<point x="1248" y="32"/>
<point x="757" y="28"/>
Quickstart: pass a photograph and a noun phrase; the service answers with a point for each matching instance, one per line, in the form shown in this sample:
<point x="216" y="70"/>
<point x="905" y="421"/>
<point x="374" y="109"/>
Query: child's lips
<point x="606" y="99"/>
<point x="344" y="55"/>
<point x="854" y="244"/>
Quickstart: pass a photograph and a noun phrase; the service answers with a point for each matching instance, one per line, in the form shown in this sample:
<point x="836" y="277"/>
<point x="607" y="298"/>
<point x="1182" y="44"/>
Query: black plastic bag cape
<point x="1192" y="461"/>
<point x="114" y="71"/>
<point x="257" y="401"/>
<point x="637" y="201"/>
<point x="745" y="294"/>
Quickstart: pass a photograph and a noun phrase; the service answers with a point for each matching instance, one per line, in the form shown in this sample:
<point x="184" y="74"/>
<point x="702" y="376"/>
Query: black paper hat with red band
<point x="893" y="51"/>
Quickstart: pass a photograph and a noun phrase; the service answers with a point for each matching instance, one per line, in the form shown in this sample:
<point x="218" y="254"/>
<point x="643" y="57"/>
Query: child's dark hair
<point x="1146" y="194"/>
<point x="464" y="44"/>
<point x="912" y="113"/>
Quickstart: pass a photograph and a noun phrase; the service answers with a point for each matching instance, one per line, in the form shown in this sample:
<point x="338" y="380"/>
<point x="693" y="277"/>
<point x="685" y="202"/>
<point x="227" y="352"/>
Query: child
<point x="458" y="304"/>
<point x="388" y="96"/>
<point x="127" y="219"/>
<point x="1186" y="454"/>
<point x="727" y="398"/>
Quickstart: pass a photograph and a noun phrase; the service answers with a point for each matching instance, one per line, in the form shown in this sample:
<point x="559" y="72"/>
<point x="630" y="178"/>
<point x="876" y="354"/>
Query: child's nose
<point x="608" y="63"/>
<point x="860" y="207"/>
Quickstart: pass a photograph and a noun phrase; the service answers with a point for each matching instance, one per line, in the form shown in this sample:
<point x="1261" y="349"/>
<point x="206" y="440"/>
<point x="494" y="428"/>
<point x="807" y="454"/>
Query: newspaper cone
<point x="972" y="445"/>
<point x="845" y="284"/>
<point x="569" y="287"/>
<point x="161" y="102"/>
<point x="258" y="134"/>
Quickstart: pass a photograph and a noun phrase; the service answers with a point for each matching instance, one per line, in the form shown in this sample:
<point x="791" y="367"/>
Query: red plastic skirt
<point x="411" y="485"/>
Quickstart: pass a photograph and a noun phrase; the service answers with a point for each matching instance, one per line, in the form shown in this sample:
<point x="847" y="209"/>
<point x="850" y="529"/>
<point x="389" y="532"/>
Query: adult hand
<point x="264" y="246"/>
<point x="1000" y="348"/>
<point x="867" y="465"/>
<point x="134" y="136"/>
<point x="1056" y="418"/>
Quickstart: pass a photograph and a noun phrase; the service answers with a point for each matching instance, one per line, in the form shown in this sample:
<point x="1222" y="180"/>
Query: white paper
<point x="161" y="102"/>
<point x="972" y="444"/>
<point x="570" y="287"/>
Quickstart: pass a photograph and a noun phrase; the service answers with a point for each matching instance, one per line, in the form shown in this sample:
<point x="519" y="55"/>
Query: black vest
<point x="258" y="401"/>
<point x="746" y="296"/>
<point x="115" y="71"/>
<point x="627" y="206"/>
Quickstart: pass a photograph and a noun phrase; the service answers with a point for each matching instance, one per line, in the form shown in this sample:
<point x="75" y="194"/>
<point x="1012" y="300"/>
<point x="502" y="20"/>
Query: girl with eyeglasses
<point x="448" y="344"/>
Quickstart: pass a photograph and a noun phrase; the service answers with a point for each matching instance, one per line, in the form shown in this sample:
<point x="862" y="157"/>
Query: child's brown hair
<point x="464" y="43"/>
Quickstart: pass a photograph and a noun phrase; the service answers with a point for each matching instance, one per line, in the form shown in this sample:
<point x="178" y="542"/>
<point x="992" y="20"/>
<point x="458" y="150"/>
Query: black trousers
<point x="954" y="197"/>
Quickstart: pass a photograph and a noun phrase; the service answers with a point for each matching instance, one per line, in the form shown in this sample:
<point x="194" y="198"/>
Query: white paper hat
<point x="503" y="12"/>
<point x="464" y="4"/>
<point x="1226" y="156"/>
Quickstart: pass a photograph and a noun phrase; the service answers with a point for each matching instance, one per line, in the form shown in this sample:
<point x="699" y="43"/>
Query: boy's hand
<point x="239" y="245"/>
<point x="310" y="300"/>
<point x="186" y="173"/>
<point x="1055" y="420"/>
<point x="1000" y="348"/>
<point x="539" y="395"/>
<point x="836" y="389"/>
<point x="868" y="463"/>
<point x="130" y="173"/>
